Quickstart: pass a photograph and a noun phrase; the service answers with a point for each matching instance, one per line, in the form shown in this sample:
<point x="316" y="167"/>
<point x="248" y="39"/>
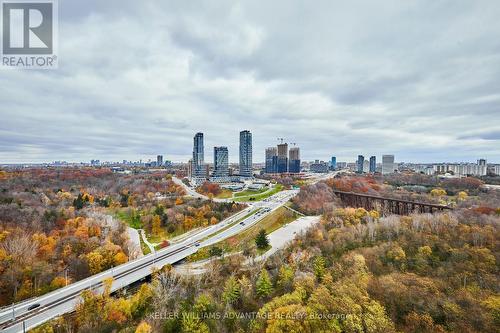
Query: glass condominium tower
<point x="246" y="169"/>
<point x="199" y="169"/>
<point x="221" y="164"/>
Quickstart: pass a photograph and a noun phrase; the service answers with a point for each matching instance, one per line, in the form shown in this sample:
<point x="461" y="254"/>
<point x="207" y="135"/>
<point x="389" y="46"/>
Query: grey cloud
<point x="417" y="79"/>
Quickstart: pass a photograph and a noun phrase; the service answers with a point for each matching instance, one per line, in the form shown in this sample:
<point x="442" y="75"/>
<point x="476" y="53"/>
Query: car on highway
<point x="33" y="306"/>
<point x="197" y="244"/>
<point x="242" y="223"/>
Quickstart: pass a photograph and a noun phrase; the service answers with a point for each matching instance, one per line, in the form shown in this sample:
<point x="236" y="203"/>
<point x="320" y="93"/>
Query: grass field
<point x="259" y="196"/>
<point x="133" y="220"/>
<point x="225" y="194"/>
<point x="250" y="192"/>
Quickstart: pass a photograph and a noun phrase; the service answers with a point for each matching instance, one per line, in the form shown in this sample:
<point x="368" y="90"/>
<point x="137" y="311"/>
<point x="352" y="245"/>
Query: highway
<point x="64" y="300"/>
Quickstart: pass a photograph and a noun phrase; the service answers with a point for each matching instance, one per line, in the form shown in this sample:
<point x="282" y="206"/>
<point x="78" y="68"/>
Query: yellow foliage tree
<point x="95" y="261"/>
<point x="82" y="232"/>
<point x="3" y="235"/>
<point x="58" y="282"/>
<point x="118" y="310"/>
<point x="143" y="328"/>
<point x="188" y="223"/>
<point x="438" y="192"/>
<point x="3" y="254"/>
<point x="156" y="225"/>
<point x="120" y="258"/>
<point x="88" y="197"/>
<point x="374" y="214"/>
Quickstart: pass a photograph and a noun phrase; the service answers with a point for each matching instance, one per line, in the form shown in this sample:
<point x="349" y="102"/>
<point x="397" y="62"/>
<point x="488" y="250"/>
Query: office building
<point x="198" y="167"/>
<point x="387" y="164"/>
<point x="333" y="163"/>
<point x="462" y="169"/>
<point x="373" y="164"/>
<point x="319" y="167"/>
<point x="342" y="165"/>
<point x="282" y="158"/>
<point x="294" y="160"/>
<point x="159" y="160"/>
<point x="221" y="162"/>
<point x="246" y="169"/>
<point x="271" y="160"/>
<point x="360" y="163"/>
<point x="496" y="169"/>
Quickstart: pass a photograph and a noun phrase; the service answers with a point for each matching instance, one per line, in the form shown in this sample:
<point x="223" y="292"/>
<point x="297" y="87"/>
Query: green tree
<point x="78" y="202"/>
<point x="262" y="241"/>
<point x="232" y="291"/>
<point x="215" y="251"/>
<point x="192" y="324"/>
<point x="285" y="277"/>
<point x="264" y="285"/>
<point x="319" y="267"/>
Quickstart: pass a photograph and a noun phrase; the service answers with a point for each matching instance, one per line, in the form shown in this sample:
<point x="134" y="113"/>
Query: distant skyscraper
<point x="360" y="163"/>
<point x="271" y="159"/>
<point x="283" y="158"/>
<point x="373" y="164"/>
<point x="246" y="167"/>
<point x="294" y="160"/>
<point x="481" y="162"/>
<point x="333" y="163"/>
<point x="159" y="160"/>
<point x="198" y="157"/>
<point x="221" y="162"/>
<point x="387" y="164"/>
<point x="190" y="168"/>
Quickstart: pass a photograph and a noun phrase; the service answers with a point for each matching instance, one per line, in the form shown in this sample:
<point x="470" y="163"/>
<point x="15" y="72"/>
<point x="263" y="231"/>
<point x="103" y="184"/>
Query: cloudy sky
<point x="418" y="79"/>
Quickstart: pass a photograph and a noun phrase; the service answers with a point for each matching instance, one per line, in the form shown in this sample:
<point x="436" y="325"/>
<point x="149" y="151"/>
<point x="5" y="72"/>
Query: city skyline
<point x="249" y="166"/>
<point x="425" y="93"/>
